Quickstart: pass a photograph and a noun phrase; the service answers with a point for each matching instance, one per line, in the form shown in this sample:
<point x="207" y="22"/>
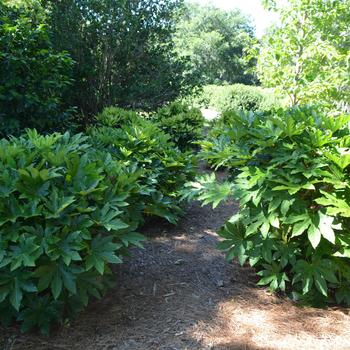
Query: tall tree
<point x="307" y="54"/>
<point x="215" y="41"/>
<point x="33" y="74"/>
<point x="123" y="49"/>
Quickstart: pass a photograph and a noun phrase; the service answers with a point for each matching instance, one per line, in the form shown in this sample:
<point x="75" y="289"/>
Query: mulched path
<point x="179" y="293"/>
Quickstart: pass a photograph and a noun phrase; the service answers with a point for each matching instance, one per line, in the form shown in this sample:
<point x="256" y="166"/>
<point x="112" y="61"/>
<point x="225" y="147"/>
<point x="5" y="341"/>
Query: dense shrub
<point x="219" y="147"/>
<point x="237" y="97"/>
<point x="165" y="169"/>
<point x="248" y="98"/>
<point x="182" y="123"/>
<point x="294" y="194"/>
<point x="66" y="214"/>
<point x="116" y="117"/>
<point x="33" y="76"/>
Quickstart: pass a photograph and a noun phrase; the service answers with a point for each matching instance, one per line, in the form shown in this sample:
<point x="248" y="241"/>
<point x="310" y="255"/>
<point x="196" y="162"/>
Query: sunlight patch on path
<point x="210" y="114"/>
<point x="261" y="324"/>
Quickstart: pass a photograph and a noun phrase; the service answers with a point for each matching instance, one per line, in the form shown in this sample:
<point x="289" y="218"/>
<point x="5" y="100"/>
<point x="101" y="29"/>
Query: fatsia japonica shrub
<point x="291" y="177"/>
<point x="183" y="123"/>
<point x="65" y="217"/>
<point x="165" y="168"/>
<point x="225" y="135"/>
<point x="116" y="117"/>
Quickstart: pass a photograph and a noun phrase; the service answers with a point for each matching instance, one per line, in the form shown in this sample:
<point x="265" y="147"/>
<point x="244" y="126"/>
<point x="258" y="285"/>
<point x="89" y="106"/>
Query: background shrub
<point x="292" y="185"/>
<point x="237" y="97"/>
<point x="116" y="117"/>
<point x="33" y="75"/>
<point x="66" y="214"/>
<point x="183" y="123"/>
<point x="164" y="168"/>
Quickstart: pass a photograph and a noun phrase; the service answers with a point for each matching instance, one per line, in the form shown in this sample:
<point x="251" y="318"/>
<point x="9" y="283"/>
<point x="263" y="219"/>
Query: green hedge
<point x="236" y="97"/>
<point x="164" y="168"/>
<point x="116" y="117"/>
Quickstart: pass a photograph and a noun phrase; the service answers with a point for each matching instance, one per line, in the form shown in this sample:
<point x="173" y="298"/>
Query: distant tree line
<point x="216" y="41"/>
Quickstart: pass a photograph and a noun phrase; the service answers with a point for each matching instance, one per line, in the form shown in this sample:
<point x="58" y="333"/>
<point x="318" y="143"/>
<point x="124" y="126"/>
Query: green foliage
<point x="184" y="124"/>
<point x="307" y="54"/>
<point x="116" y="117"/>
<point x="33" y="76"/>
<point x="237" y="97"/>
<point x="215" y="42"/>
<point x="226" y="134"/>
<point x="66" y="215"/>
<point x="165" y="169"/>
<point x="123" y="49"/>
<point x="207" y="190"/>
<point x="293" y="188"/>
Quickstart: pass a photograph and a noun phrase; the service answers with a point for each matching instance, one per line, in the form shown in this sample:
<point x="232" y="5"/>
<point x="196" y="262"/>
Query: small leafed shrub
<point x="182" y="123"/>
<point x="237" y="97"/>
<point x="164" y="169"/>
<point x="248" y="98"/>
<point x="33" y="76"/>
<point x="292" y="182"/>
<point x="66" y="215"/>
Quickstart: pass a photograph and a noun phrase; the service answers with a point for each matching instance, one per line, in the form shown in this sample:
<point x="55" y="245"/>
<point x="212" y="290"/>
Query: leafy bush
<point x="220" y="146"/>
<point x="248" y="98"/>
<point x="293" y="188"/>
<point x="33" y="76"/>
<point x="165" y="169"/>
<point x="182" y="123"/>
<point x="237" y="97"/>
<point x="66" y="213"/>
<point x="116" y="117"/>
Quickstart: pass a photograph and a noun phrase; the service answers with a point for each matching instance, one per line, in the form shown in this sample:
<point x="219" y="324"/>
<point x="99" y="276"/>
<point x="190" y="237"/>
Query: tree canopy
<point x="307" y="54"/>
<point x="123" y="49"/>
<point x="215" y="41"/>
<point x="34" y="76"/>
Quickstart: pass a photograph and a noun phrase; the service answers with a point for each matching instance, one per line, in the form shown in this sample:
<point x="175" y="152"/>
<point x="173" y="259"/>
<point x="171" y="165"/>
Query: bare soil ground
<point x="179" y="293"/>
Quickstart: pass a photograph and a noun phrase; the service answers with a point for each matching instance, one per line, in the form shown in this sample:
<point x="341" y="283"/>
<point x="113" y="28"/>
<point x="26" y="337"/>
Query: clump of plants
<point x="249" y="98"/>
<point x="225" y="134"/>
<point x="237" y="97"/>
<point x="67" y="214"/>
<point x="116" y="117"/>
<point x="164" y="169"/>
<point x="183" y="123"/>
<point x="291" y="173"/>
